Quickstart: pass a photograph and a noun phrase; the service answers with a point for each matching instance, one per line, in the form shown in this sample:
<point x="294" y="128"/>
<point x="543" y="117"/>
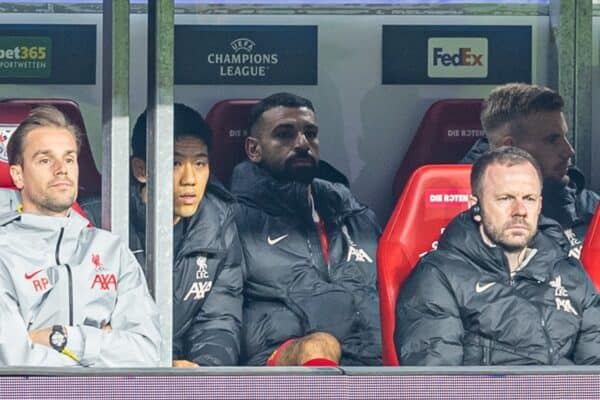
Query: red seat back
<point x="432" y="197"/>
<point x="590" y="252"/>
<point x="447" y="131"/>
<point x="13" y="111"/>
<point x="228" y="120"/>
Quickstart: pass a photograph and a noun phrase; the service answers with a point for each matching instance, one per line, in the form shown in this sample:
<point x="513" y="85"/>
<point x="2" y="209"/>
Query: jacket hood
<point x="203" y="231"/>
<point x="256" y="187"/>
<point x="558" y="202"/>
<point x="479" y="147"/>
<point x="462" y="237"/>
<point x="42" y="223"/>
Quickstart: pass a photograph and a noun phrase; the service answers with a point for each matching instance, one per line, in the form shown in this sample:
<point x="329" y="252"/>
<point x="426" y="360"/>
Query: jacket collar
<point x="558" y="202"/>
<point x="203" y="229"/>
<point x="256" y="187"/>
<point x="462" y="236"/>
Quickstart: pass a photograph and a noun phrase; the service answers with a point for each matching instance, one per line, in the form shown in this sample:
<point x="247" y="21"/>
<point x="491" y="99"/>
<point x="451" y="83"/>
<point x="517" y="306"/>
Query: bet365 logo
<point x="454" y="57"/>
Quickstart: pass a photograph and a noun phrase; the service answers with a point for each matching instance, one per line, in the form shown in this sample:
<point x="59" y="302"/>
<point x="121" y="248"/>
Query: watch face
<point x="58" y="340"/>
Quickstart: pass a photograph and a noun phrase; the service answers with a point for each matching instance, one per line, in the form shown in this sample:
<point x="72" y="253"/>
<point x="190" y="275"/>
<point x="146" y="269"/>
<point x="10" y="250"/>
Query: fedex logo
<point x="453" y="57"/>
<point x="463" y="57"/>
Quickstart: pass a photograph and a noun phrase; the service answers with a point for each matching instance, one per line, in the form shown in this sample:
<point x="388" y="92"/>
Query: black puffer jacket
<point x="461" y="306"/>
<point x="290" y="290"/>
<point x="207" y="275"/>
<point x="573" y="205"/>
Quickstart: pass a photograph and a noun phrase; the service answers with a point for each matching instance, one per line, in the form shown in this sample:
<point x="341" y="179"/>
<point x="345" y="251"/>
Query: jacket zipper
<point x="487" y="352"/>
<point x="69" y="275"/>
<point x="543" y="324"/>
<point x="316" y="254"/>
<point x="548" y="341"/>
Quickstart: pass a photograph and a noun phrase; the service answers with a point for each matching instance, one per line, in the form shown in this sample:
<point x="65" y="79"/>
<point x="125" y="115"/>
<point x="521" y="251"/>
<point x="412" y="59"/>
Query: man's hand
<point x="41" y="336"/>
<point x="184" y="364"/>
<point x="107" y="328"/>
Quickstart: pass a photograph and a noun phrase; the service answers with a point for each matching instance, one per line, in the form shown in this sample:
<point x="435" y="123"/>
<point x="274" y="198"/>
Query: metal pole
<point x="582" y="124"/>
<point x="571" y="22"/>
<point x="115" y="117"/>
<point x="159" y="218"/>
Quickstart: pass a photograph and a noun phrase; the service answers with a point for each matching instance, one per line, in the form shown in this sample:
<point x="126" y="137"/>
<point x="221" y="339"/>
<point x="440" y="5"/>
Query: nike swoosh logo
<point x="276" y="240"/>
<point x="29" y="276"/>
<point x="481" y="288"/>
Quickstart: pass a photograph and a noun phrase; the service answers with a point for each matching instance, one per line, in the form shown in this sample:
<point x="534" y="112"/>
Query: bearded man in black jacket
<point x="310" y="294"/>
<point x="497" y="291"/>
<point x="530" y="117"/>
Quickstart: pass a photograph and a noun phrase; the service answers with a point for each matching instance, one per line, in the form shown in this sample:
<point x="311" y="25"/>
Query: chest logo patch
<point x="203" y="284"/>
<point x="575" y="242"/>
<point x="96" y="262"/>
<point x="105" y="281"/>
<point x="561" y="296"/>
<point x="40" y="282"/>
<point x="353" y="250"/>
<point x="479" y="288"/>
<point x="278" y="239"/>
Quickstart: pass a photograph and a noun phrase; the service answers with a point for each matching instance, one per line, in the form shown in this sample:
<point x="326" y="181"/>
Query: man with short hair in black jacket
<point x="310" y="247"/>
<point x="207" y="261"/>
<point x="497" y="291"/>
<point x="531" y="117"/>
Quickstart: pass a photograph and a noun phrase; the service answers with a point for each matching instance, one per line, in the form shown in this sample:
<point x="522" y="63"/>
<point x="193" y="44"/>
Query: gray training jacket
<point x="57" y="270"/>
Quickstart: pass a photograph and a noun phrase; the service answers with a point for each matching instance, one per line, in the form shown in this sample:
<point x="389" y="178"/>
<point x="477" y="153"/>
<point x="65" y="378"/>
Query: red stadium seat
<point x="432" y="197"/>
<point x="590" y="252"/>
<point x="228" y="120"/>
<point x="13" y="111"/>
<point x="447" y="131"/>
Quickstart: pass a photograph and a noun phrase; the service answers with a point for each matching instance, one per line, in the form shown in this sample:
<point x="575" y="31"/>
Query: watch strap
<point x="63" y="350"/>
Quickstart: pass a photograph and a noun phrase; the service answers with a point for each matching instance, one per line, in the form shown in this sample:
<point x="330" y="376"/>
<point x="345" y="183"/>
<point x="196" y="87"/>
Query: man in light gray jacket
<point x="70" y="294"/>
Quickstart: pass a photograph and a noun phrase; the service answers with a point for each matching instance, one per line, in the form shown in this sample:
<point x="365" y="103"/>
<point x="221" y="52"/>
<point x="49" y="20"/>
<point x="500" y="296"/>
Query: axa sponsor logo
<point x="456" y="57"/>
<point x="39" y="281"/>
<point x="243" y="60"/>
<point x="104" y="282"/>
<point x="561" y="296"/>
<point x="198" y="290"/>
<point x="203" y="284"/>
<point x="355" y="252"/>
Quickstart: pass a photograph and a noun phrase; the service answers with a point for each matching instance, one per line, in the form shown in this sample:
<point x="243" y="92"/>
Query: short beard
<point x="496" y="238"/>
<point x="54" y="206"/>
<point x="304" y="174"/>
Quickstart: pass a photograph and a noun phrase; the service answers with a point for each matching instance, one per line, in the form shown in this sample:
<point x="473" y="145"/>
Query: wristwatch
<point x="58" y="341"/>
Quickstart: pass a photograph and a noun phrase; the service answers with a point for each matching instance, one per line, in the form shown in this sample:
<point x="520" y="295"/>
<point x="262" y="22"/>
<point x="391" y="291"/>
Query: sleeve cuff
<point x="75" y="341"/>
<point x="84" y="342"/>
